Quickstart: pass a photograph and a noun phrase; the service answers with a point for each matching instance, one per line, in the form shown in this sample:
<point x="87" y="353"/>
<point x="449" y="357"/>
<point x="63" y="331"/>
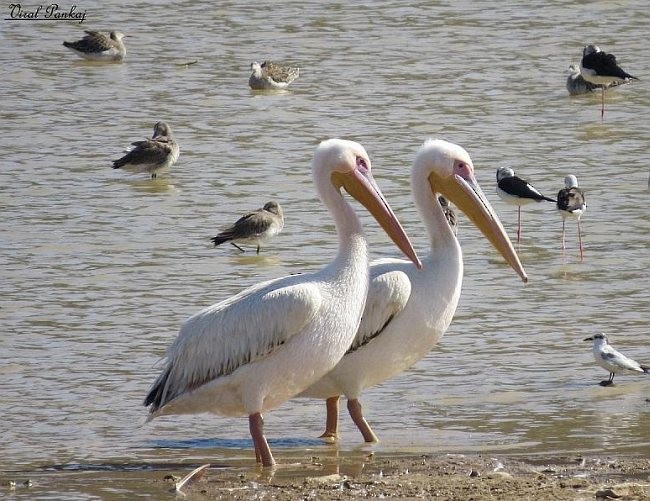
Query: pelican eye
<point x="462" y="169"/>
<point x="362" y="164"/>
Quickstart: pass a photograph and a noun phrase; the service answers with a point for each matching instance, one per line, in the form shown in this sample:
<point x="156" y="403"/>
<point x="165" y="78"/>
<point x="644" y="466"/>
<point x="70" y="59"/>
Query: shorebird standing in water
<point x="270" y="75"/>
<point x="153" y="155"/>
<point x="450" y="214"/>
<point x="571" y="202"/>
<point x="516" y="191"/>
<point x="96" y="46"/>
<point x="613" y="361"/>
<point x="255" y="227"/>
<point x="598" y="67"/>
<point x="577" y="85"/>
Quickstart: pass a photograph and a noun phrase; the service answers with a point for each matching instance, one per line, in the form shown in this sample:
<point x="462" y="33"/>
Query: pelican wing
<point x="223" y="337"/>
<point x="388" y="293"/>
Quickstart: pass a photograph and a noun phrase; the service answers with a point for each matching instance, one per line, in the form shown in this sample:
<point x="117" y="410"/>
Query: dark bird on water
<point x="96" y="46"/>
<point x="571" y="203"/>
<point x="152" y="156"/>
<point x="601" y="68"/>
<point x="269" y="75"/>
<point x="254" y="228"/>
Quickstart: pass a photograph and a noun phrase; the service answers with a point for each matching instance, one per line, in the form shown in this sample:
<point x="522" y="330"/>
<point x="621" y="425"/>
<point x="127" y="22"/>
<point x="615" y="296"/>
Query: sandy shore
<point x="452" y="477"/>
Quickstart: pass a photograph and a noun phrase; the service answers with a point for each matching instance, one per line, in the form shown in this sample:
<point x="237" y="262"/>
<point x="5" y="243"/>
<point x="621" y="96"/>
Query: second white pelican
<point x="407" y="310"/>
<point x="257" y="349"/>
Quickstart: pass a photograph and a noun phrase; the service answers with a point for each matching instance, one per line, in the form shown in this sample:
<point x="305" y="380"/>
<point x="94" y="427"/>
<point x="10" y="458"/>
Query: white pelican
<point x="270" y="75"/>
<point x="407" y="310"/>
<point x="96" y="46"/>
<point x="516" y="191"/>
<point x="255" y="350"/>
<point x="613" y="361"/>
<point x="571" y="202"/>
<point x="601" y="68"/>
<point x="255" y="227"/>
<point x="153" y="155"/>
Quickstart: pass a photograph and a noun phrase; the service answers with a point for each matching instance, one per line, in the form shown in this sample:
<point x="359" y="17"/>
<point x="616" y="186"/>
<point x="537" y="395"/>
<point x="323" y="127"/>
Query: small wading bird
<point x="96" y="46"/>
<point x="450" y="214"/>
<point x="254" y="228"/>
<point x="613" y="361"/>
<point x="571" y="203"/>
<point x="269" y="75"/>
<point x="516" y="191"/>
<point x="601" y="68"/>
<point x="408" y="310"/>
<point x="153" y="156"/>
<point x="577" y="85"/>
<point x="257" y="349"/>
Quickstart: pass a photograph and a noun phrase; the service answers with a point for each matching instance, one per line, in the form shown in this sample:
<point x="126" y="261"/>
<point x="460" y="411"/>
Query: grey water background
<point x="100" y="267"/>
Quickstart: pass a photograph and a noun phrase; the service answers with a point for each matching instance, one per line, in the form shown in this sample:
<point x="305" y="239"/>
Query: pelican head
<point x="450" y="172"/>
<point x="347" y="165"/>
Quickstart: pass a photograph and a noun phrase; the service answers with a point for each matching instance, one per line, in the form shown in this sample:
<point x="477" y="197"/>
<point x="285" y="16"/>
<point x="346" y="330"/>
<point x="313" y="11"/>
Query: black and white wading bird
<point x="153" y="156"/>
<point x="253" y="228"/>
<point x="601" y="68"/>
<point x="571" y="203"/>
<point x="270" y="75"/>
<point x="252" y="352"/>
<point x="408" y="310"/>
<point x="96" y="46"/>
<point x="516" y="191"/>
<point x="613" y="361"/>
<point x="577" y="85"/>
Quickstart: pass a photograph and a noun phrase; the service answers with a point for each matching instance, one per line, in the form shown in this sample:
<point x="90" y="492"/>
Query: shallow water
<point x="100" y="268"/>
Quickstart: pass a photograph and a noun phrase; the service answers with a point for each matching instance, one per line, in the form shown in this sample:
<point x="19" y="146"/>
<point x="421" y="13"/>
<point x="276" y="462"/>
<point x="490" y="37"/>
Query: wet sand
<point x="452" y="477"/>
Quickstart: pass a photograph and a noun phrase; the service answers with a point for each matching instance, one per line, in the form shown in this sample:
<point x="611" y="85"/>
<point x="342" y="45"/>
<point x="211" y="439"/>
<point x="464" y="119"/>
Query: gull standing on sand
<point x="255" y="227"/>
<point x="516" y="191"/>
<point x="613" y="361"/>
<point x="601" y="68"/>
<point x="408" y="310"/>
<point x="96" y="46"/>
<point x="571" y="203"/>
<point x="254" y="351"/>
<point x="270" y="75"/>
<point x="153" y="156"/>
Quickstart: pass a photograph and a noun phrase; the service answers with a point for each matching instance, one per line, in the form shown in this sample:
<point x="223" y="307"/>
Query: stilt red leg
<point x="580" y="239"/>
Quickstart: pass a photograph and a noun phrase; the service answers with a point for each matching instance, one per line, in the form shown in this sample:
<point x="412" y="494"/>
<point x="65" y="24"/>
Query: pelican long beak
<point x="363" y="187"/>
<point x="468" y="196"/>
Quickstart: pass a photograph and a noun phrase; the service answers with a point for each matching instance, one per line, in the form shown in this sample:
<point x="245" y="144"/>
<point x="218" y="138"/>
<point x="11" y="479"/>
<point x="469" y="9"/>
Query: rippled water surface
<point x="100" y="267"/>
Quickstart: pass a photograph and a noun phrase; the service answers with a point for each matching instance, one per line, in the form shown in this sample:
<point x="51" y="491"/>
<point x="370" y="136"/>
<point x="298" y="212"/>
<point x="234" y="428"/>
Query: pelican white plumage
<point x="407" y="310"/>
<point x="255" y="350"/>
